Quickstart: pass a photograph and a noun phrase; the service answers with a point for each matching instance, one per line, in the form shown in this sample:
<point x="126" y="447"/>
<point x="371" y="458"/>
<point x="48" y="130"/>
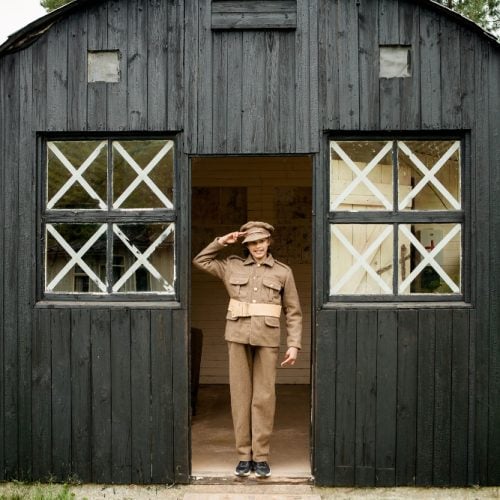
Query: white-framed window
<point x="396" y="219"/>
<point x="108" y="218"/>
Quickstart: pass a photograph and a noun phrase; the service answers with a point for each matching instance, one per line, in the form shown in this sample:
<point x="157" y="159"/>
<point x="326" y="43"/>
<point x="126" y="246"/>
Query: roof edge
<point x="31" y="32"/>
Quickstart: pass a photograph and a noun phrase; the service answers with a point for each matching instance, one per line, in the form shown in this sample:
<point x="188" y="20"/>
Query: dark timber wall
<point x="403" y="395"/>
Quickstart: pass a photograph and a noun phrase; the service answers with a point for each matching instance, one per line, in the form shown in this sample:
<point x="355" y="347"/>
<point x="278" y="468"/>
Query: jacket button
<point x="255" y="289"/>
<point x="254" y="301"/>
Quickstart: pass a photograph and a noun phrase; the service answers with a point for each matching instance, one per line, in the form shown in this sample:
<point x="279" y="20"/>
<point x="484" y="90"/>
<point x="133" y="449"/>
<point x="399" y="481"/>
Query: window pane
<point x="429" y="175"/>
<point x="75" y="255"/>
<point x="143" y="258"/>
<point x="361" y="259"/>
<point x="76" y="174"/>
<point x="432" y="258"/>
<point x="361" y="175"/>
<point x="143" y="174"/>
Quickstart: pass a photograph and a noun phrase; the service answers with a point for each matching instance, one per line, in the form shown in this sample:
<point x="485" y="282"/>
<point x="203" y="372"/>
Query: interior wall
<point x="226" y="192"/>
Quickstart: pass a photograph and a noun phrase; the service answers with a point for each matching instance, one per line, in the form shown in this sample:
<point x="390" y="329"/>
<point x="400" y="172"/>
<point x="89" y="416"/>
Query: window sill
<point x="397" y="305"/>
<point x="81" y="304"/>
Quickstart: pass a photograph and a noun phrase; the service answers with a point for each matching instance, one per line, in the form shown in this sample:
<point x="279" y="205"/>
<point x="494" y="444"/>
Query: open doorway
<point x="226" y="192"/>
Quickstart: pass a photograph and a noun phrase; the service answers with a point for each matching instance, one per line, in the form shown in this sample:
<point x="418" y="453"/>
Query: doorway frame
<point x="315" y="173"/>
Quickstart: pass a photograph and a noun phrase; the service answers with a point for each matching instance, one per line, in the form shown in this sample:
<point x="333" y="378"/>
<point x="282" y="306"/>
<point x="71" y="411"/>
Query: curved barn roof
<point x="32" y="31"/>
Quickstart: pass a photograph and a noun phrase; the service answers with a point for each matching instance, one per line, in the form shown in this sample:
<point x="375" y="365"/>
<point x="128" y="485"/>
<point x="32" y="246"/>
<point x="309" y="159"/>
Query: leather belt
<point x="240" y="309"/>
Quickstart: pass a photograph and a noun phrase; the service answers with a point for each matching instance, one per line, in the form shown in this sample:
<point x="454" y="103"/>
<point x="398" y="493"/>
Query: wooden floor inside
<point x="213" y="452"/>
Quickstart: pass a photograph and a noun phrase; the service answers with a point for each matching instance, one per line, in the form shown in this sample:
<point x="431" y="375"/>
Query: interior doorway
<point x="226" y="192"/>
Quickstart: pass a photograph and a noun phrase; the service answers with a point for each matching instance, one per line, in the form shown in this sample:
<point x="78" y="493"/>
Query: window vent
<point x="395" y="61"/>
<point x="103" y="66"/>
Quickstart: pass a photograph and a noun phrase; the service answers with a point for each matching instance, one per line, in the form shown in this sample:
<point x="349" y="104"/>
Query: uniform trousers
<point x="252" y="377"/>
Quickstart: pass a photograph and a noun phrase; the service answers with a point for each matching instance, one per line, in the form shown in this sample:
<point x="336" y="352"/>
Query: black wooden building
<point x="104" y="107"/>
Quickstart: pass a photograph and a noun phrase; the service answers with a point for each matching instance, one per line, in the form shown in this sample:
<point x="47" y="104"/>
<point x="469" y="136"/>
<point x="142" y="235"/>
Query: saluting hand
<point x="230" y="238"/>
<point x="290" y="356"/>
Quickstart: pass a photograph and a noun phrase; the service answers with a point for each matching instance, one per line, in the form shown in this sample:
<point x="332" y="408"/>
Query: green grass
<point x="35" y="491"/>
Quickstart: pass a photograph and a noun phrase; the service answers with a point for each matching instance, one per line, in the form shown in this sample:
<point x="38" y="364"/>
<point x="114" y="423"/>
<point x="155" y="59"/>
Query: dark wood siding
<point x="393" y="407"/>
<point x="102" y="395"/>
<point x="402" y="396"/>
<point x="251" y="91"/>
<point x="436" y="391"/>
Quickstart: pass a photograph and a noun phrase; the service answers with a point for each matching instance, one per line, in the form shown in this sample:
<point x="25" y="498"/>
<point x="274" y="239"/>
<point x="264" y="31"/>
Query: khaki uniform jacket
<point x="270" y="283"/>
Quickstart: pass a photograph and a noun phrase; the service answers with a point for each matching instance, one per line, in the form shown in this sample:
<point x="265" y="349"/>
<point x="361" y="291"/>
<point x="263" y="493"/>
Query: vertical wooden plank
<point x="272" y="99"/>
<point x="180" y="384"/>
<point x="430" y="69"/>
<point x="81" y="395"/>
<point x="388" y="21"/>
<point x="471" y="452"/>
<point x="77" y="73"/>
<point x="442" y="400"/>
<point x="162" y="411"/>
<point x="425" y="395"/>
<point x="328" y="64"/>
<point x="60" y="331"/>
<point x="41" y="410"/>
<point x="205" y="111"/>
<point x="253" y="91"/>
<point x="191" y="77"/>
<point x="369" y="66"/>
<point x="120" y="396"/>
<point x="451" y="113"/>
<point x="407" y="398"/>
<point x="100" y="338"/>
<point x="41" y="405"/>
<point x="3" y="112"/>
<point x="97" y="39"/>
<point x="314" y="128"/>
<point x="366" y="397"/>
<point x="175" y="75"/>
<point x="409" y="88"/>
<point x="387" y="363"/>
<point x="287" y="111"/>
<point x="494" y="285"/>
<point x="348" y="49"/>
<point x="117" y="111"/>
<point x="57" y="77"/>
<point x="459" y="398"/>
<point x="345" y="405"/>
<point x="27" y="230"/>
<point x="140" y="389"/>
<point x="302" y="83"/>
<point x="220" y="92"/>
<point x="389" y="93"/>
<point x="467" y="72"/>
<point x="234" y="50"/>
<point x="137" y="64"/>
<point x="481" y="230"/>
<point x="324" y="398"/>
<point x="10" y="257"/>
<point x="157" y="69"/>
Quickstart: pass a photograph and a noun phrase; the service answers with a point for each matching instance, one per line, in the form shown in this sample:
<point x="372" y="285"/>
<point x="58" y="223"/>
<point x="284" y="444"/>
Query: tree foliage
<point x="486" y="13"/>
<point x="50" y="5"/>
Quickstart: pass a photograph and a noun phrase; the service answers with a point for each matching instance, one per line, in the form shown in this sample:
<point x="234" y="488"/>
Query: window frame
<point x="395" y="217"/>
<point x="109" y="216"/>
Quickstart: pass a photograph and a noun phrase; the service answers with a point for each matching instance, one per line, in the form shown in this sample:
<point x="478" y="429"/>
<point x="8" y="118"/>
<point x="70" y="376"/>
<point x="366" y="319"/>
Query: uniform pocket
<point x="271" y="321"/>
<point x="273" y="288"/>
<point x="238" y="283"/>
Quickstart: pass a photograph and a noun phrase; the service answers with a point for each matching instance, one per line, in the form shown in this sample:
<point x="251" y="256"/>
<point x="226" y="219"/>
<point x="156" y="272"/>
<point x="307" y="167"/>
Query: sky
<point x="15" y="14"/>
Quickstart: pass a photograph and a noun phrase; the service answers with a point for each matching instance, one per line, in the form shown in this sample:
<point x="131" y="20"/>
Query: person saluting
<point x="260" y="288"/>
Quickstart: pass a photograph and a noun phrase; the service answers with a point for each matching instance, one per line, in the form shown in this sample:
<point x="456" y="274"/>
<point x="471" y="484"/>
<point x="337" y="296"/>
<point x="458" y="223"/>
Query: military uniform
<point x="257" y="292"/>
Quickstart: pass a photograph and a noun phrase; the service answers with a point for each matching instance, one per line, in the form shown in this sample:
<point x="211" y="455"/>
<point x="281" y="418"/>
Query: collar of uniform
<point x="268" y="262"/>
